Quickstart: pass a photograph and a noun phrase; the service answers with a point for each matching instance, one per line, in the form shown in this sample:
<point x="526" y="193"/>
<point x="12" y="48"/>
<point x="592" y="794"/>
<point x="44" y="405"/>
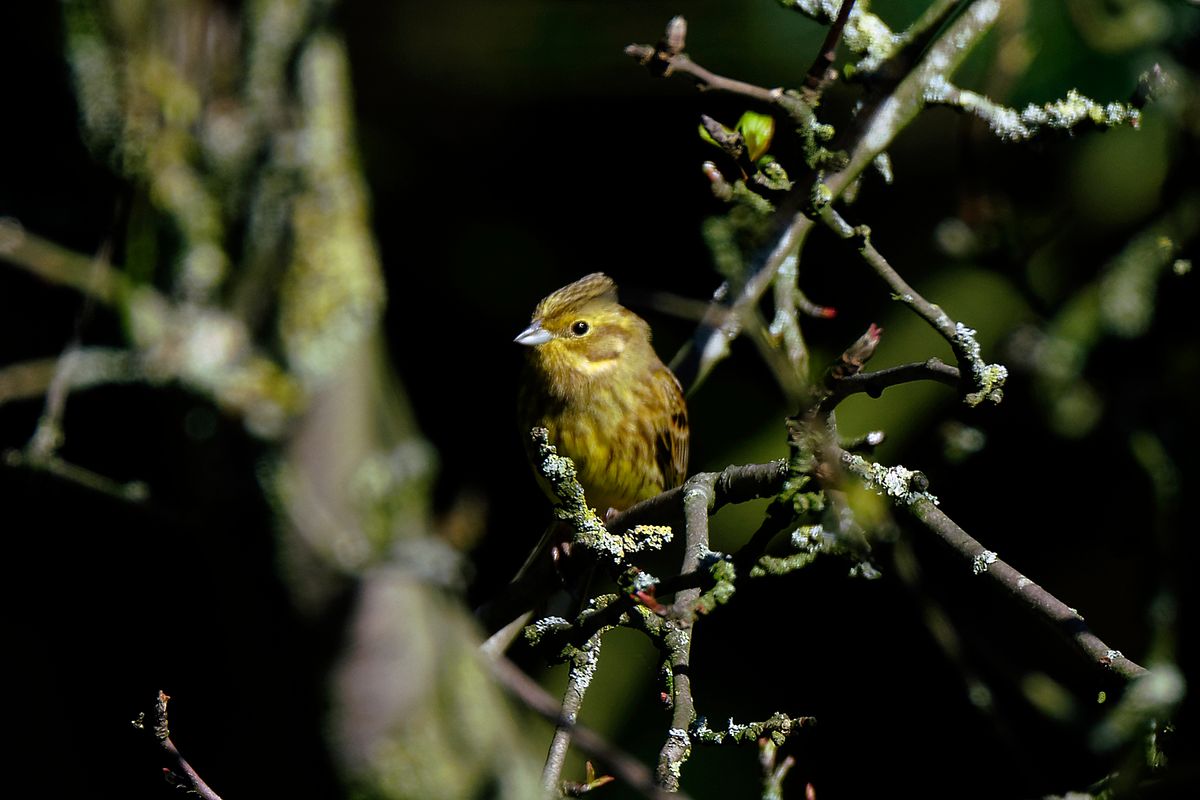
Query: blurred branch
<point x="180" y="773"/>
<point x="132" y="491"/>
<point x="90" y="367"/>
<point x="1121" y="302"/>
<point x="93" y="277"/>
<point x="773" y="773"/>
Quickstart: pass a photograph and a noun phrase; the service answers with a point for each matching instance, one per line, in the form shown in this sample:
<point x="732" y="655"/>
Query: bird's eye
<point x="580" y="327"/>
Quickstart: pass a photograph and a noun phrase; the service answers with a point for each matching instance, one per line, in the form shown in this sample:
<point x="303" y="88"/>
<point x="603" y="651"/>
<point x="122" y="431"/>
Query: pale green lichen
<point x="643" y="582"/>
<point x="388" y="488"/>
<point x="895" y="482"/>
<point x="1011" y="125"/>
<point x="209" y="350"/>
<point x="679" y="742"/>
<point x="820" y="130"/>
<point x="820" y="196"/>
<point x="589" y="530"/>
<point x="883" y="165"/>
<point x="867" y="34"/>
<point x="646" y="537"/>
<point x="702" y="733"/>
<point x="333" y="290"/>
<point x="776" y="728"/>
<point x="810" y="542"/>
<point x="823" y="11"/>
<point x="982" y="561"/>
<point x="988" y="378"/>
<point x="536" y="631"/>
<point x="724" y="576"/>
<point x="583" y="665"/>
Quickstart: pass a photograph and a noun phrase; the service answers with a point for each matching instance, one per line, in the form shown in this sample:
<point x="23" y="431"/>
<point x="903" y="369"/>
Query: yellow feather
<point x="593" y="380"/>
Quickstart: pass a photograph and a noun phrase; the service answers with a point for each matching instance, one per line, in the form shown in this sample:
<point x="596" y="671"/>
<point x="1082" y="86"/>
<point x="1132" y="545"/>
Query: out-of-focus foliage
<point x="293" y="199"/>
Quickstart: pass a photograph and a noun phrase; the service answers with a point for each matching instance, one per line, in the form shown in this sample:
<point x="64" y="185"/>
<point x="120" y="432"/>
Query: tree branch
<point x="873" y="383"/>
<point x="818" y="76"/>
<point x="699" y="498"/>
<point x="90" y="367"/>
<point x="627" y="768"/>
<point x="906" y="489"/>
<point x="579" y="677"/>
<point x="987" y="380"/>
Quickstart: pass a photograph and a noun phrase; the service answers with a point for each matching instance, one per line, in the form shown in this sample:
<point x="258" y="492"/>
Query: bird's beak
<point x="534" y="334"/>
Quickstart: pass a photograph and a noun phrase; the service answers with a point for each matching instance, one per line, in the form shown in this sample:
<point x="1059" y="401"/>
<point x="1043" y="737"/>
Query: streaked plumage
<point x="593" y="380"/>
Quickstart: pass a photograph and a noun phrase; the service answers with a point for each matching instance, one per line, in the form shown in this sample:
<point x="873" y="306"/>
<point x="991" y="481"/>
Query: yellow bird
<point x="593" y="380"/>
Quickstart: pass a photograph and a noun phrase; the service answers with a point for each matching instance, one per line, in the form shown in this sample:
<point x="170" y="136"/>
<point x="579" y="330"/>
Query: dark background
<point x="511" y="148"/>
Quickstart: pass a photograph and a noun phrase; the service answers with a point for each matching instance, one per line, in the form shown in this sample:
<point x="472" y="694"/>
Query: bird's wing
<point x="671" y="451"/>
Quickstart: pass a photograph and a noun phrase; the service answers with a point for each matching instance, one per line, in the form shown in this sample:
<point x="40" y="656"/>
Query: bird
<point x="594" y="382"/>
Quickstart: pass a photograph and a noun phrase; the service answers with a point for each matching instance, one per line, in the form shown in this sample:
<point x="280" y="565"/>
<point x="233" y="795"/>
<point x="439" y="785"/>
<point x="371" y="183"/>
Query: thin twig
<point x="634" y="773"/>
<point x="861" y="236"/>
<point x="48" y="435"/>
<point x="985" y="563"/>
<point x="707" y="80"/>
<point x="818" y="76"/>
<point x="1048" y="607"/>
<point x="182" y="771"/>
<point x="579" y="677"/>
<point x="59" y="265"/>
<point x="734" y="484"/>
<point x="873" y="383"/>
<point x="93" y="366"/>
<point x="986" y="380"/>
<point x="130" y="491"/>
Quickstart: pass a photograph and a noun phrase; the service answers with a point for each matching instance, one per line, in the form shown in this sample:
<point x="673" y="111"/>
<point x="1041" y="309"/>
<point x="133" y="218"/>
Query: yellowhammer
<point x="593" y="381"/>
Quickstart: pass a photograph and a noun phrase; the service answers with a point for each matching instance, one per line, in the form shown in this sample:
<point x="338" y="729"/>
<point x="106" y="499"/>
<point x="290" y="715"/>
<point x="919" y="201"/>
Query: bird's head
<point x="582" y="332"/>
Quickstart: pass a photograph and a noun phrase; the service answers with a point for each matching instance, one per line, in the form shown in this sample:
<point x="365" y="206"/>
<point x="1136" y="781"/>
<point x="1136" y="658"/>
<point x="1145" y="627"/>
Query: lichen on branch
<point x="589" y="530"/>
